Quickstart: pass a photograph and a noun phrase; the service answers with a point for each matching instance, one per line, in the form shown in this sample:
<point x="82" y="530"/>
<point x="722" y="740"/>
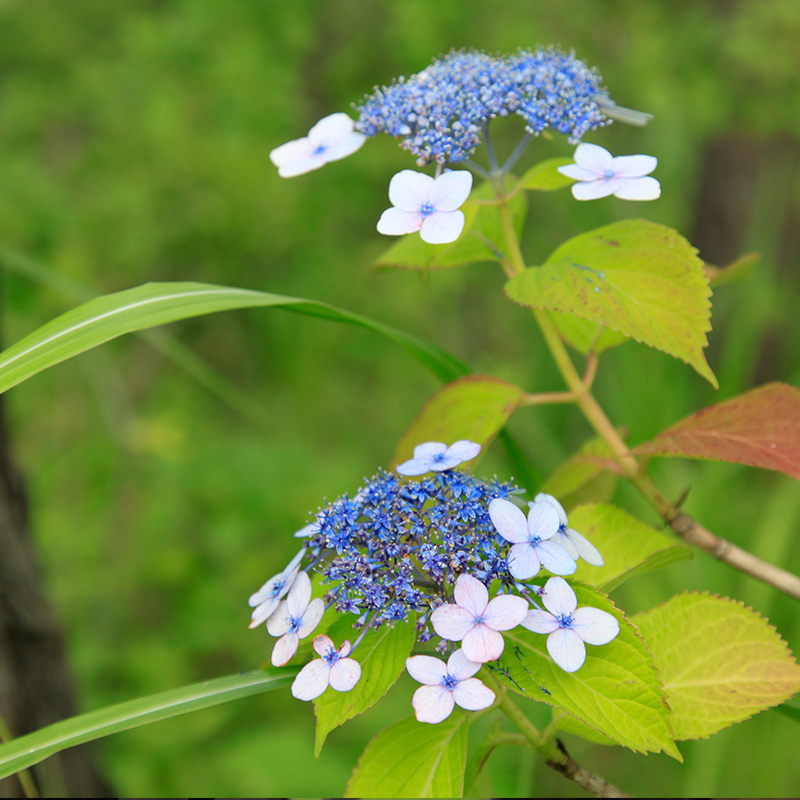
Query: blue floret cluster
<point x="439" y="113"/>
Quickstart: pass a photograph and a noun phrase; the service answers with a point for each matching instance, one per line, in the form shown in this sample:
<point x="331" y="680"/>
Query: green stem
<point x="24" y="775"/>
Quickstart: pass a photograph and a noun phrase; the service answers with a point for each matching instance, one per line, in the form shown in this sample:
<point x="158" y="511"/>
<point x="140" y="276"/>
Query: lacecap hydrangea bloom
<point x="432" y="546"/>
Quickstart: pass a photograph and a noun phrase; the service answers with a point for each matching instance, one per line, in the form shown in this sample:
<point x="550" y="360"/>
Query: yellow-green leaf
<point x="545" y="177"/>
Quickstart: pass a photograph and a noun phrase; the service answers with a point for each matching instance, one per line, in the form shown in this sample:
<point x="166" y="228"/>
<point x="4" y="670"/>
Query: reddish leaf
<point x="760" y="428"/>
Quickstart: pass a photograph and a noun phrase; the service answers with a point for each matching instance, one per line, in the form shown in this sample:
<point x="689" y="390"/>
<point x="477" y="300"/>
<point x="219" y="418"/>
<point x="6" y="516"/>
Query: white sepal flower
<point x="330" y="139"/>
<point x="438" y="457"/>
<point x="599" y="174"/>
<point x="530" y="539"/>
<point x="475" y="621"/>
<point x="576" y="544"/>
<point x="267" y="598"/>
<point x="567" y="627"/>
<point x="428" y="205"/>
<point x="294" y="619"/>
<point x="446" y="685"/>
<point x="333" y="669"/>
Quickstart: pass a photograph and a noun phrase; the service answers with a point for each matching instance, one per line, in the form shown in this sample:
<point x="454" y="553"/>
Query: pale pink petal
<point x="299" y="595"/>
<point x="594" y="158"/>
<point x="442" y="227"/>
<point x="595" y="189"/>
<point x="432" y="704"/>
<point x="427" y="669"/>
<point x="297" y="150"/>
<point x="548" y="498"/>
<point x="463" y="450"/>
<point x="345" y="649"/>
<point x="332" y="128"/>
<point x="300" y="166"/>
<point x="344" y="148"/>
<point x="263" y="612"/>
<point x="555" y="558"/>
<point x="482" y="644"/>
<point x="540" y="621"/>
<point x="460" y="667"/>
<point x="414" y="467"/>
<point x="311" y="618"/>
<point x="638" y="189"/>
<point x="263" y="594"/>
<point x="409" y="190"/>
<point x="563" y="540"/>
<point x="523" y="562"/>
<point x="558" y="597"/>
<point x="584" y="548"/>
<point x="312" y="680"/>
<point x="323" y="644"/>
<point x="471" y="594"/>
<point x="451" y="190"/>
<point x="284" y="649"/>
<point x="280" y="621"/>
<point x="543" y="520"/>
<point x="472" y="695"/>
<point x="577" y="173"/>
<point x="509" y="521"/>
<point x="345" y="674"/>
<point x="505" y="612"/>
<point x="395" y="222"/>
<point x="634" y="166"/>
<point x="595" y="626"/>
<point x="429" y="449"/>
<point x="567" y="649"/>
<point x="452" y="622"/>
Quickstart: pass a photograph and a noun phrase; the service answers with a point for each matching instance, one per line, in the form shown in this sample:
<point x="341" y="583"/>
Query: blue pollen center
<point x="277" y="587"/>
<point x="439" y="456"/>
<point x="426" y="209"/>
<point x="565" y="620"/>
<point x="295" y="624"/>
<point x="609" y="173"/>
<point x="320" y="149"/>
<point x="535" y="540"/>
<point x="331" y="657"/>
<point x="449" y="682"/>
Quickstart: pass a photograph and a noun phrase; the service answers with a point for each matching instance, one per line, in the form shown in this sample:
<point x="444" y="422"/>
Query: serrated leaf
<point x="571" y="725"/>
<point x="382" y="655"/>
<point x="584" y="476"/>
<point x="414" y="759"/>
<point x="481" y="239"/>
<point x="636" y="277"/>
<point x="737" y="270"/>
<point x="586" y="336"/>
<point x="475" y="407"/>
<point x="629" y="546"/>
<point x="760" y="428"/>
<point x="617" y="691"/>
<point x="545" y="177"/>
<point x="721" y="662"/>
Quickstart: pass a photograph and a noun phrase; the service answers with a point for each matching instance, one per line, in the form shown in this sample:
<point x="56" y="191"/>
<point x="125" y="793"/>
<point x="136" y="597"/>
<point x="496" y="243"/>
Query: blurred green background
<point x="134" y="142"/>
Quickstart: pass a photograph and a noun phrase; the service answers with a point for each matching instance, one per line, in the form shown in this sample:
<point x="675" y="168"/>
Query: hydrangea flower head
<point x="569" y="627"/>
<point x="437" y="457"/>
<point x="428" y="205"/>
<point x="330" y="139"/>
<point x="333" y="668"/>
<point x="577" y="545"/>
<point x="294" y="619"/>
<point x="531" y="547"/>
<point x="600" y="174"/>
<point x="445" y="686"/>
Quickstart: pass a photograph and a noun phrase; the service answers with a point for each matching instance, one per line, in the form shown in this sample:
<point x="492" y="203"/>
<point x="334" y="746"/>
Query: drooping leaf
<point x="414" y="759"/>
<point x="545" y="177"/>
<point x="584" y="477"/>
<point x="382" y="655"/>
<point x="760" y="428"/>
<point x="617" y="691"/>
<point x="35" y="747"/>
<point x="475" y="407"/>
<point x="586" y="336"/>
<point x="721" y="662"/>
<point x="737" y="270"/>
<point x="636" y="277"/>
<point x="152" y="304"/>
<point x="628" y="546"/>
<point x="481" y="239"/>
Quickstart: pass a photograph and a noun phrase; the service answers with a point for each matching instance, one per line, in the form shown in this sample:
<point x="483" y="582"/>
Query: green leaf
<point x="720" y="661"/>
<point x="629" y="546"/>
<point x="35" y="747"/>
<point x="479" y="241"/>
<point x="737" y="270"/>
<point x="107" y="317"/>
<point x="586" y="336"/>
<point x="475" y="407"/>
<point x="636" y="277"/>
<point x="760" y="428"/>
<point x="545" y="177"/>
<point x="414" y="759"/>
<point x="382" y="655"/>
<point x="617" y="691"/>
<point x="789" y="711"/>
<point x="584" y="477"/>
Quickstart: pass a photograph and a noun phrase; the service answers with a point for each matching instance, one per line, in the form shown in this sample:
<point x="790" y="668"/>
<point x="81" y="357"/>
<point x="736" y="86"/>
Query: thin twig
<point x="585" y="778"/>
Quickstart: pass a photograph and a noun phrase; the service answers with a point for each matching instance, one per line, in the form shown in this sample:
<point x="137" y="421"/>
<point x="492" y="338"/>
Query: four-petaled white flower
<point x="333" y="668"/>
<point x="474" y="620"/>
<point x="267" y="598"/>
<point x="567" y="627"/>
<point x="330" y="139"/>
<point x="294" y="619"/>
<point x="446" y="685"/>
<point x="577" y="545"/>
<point x="438" y="457"/>
<point x="599" y="174"/>
<point x="428" y="205"/>
<point x="530" y="539"/>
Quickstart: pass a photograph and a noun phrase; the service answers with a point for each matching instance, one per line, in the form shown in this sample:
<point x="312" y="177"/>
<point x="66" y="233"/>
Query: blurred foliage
<point x="134" y="139"/>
